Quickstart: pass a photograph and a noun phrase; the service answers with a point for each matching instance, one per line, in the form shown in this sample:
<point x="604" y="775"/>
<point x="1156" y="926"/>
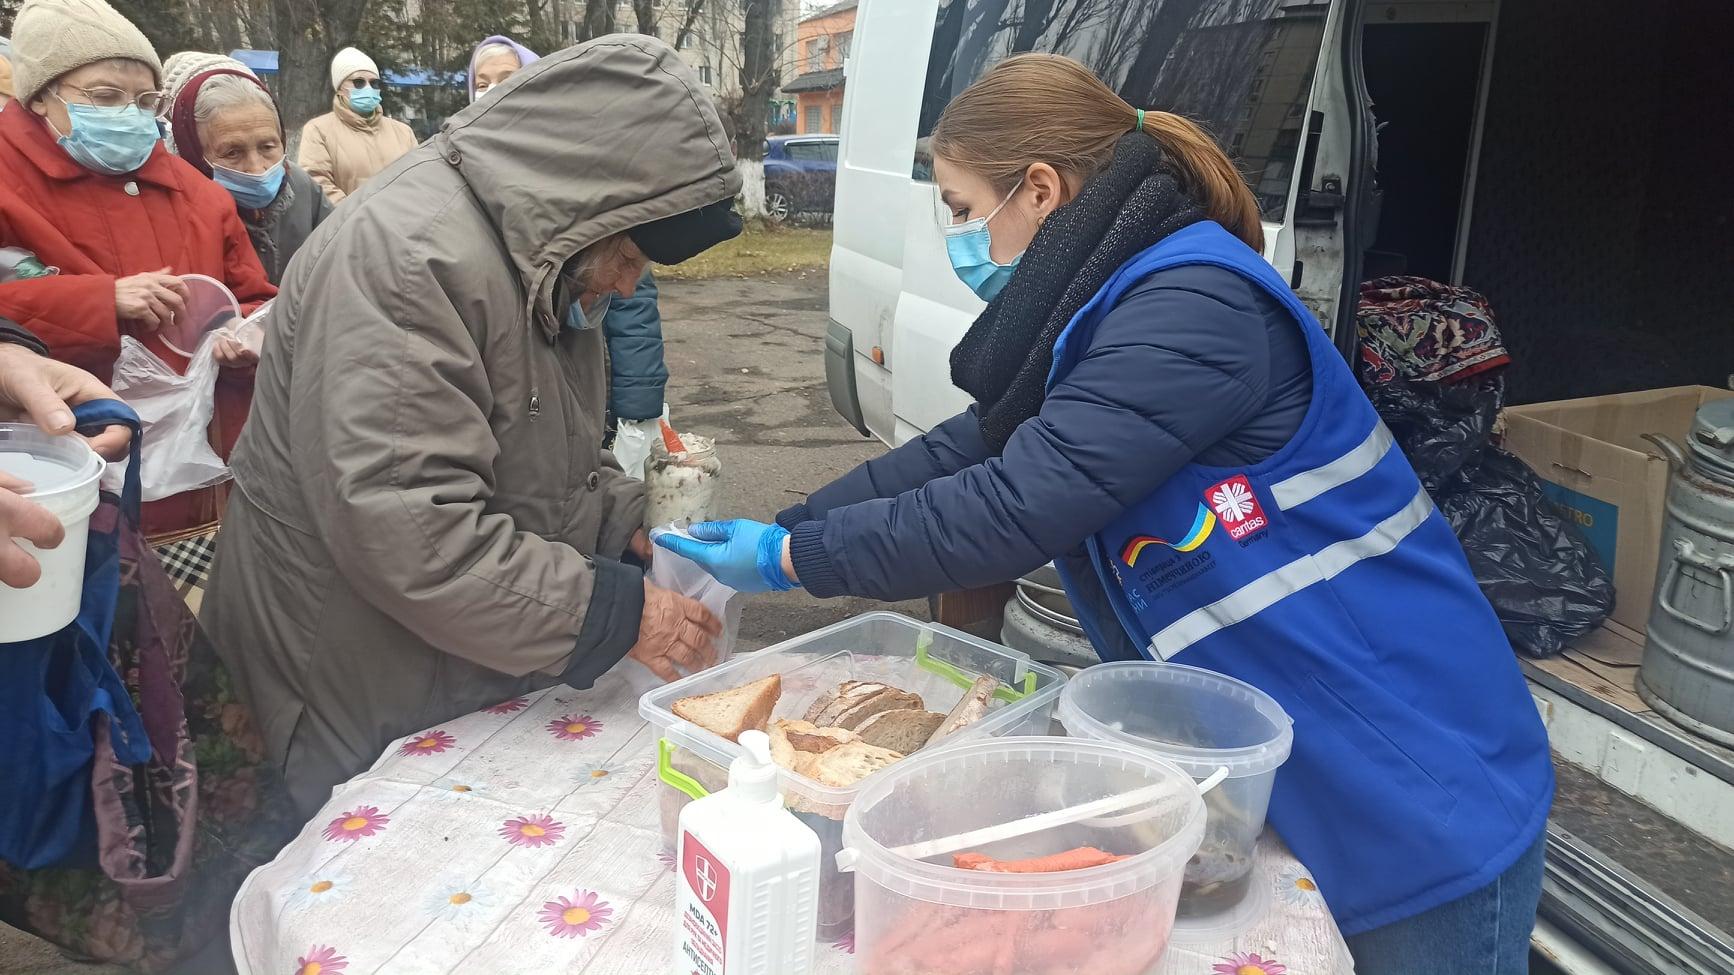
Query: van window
<point x="821" y="151"/>
<point x="1243" y="68"/>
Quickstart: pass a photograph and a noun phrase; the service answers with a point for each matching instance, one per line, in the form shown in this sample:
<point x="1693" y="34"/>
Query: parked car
<point x="1397" y="136"/>
<point x="800" y="174"/>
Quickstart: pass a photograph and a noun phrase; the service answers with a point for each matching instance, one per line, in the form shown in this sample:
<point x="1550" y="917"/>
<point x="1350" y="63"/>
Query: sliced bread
<point x="974" y="706"/>
<point x="796" y="745"/>
<point x="734" y="711"/>
<point x="849" y="763"/>
<point x="886" y="699"/>
<point x="901" y="730"/>
<point x="849" y="693"/>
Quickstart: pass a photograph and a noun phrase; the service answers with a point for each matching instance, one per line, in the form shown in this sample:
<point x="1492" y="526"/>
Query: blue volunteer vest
<point x="1324" y="576"/>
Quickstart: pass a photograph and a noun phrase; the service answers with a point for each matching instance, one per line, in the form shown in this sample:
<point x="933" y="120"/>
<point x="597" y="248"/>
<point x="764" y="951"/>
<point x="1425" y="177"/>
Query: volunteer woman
<point x="1157" y="412"/>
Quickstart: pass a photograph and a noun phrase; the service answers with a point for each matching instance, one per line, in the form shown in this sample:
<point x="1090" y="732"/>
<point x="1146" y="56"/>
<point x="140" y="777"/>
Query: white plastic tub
<point x="935" y="661"/>
<point x="65" y="475"/>
<point x="930" y="917"/>
<point x="1201" y="721"/>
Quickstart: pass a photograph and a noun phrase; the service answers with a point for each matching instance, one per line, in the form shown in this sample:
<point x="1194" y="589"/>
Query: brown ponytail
<point x="1045" y="108"/>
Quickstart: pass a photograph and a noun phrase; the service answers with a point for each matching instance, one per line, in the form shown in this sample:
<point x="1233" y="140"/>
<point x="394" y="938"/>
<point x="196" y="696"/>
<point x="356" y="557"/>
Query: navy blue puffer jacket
<point x="638" y="374"/>
<point x="1195" y="362"/>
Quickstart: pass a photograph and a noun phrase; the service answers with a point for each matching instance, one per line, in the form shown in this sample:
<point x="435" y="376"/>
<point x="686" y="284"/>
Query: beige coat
<point x="341" y="149"/>
<point x="425" y="522"/>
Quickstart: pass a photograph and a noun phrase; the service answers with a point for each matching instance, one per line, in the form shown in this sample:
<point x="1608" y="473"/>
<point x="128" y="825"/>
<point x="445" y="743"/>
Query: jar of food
<point x="684" y="486"/>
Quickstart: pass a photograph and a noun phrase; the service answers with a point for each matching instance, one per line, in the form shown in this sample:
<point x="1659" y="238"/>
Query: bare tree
<point x="598" y="19"/>
<point x="687" y="20"/>
<point x="645" y="12"/>
<point x="308" y="33"/>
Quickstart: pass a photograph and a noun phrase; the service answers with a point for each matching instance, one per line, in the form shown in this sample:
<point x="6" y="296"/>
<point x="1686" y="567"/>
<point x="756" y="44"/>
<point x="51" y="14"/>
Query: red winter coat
<point x="98" y="228"/>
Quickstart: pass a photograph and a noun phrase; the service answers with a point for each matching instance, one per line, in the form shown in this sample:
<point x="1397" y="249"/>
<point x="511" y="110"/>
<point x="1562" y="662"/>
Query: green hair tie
<point x="1140" y="118"/>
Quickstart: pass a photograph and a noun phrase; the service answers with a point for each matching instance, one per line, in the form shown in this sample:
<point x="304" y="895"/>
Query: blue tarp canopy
<point x="265" y="63"/>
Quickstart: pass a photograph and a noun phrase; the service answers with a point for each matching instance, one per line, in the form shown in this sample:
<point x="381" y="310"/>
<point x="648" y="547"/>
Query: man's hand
<point x="641" y="548"/>
<point x="45" y="390"/>
<point x="674" y="632"/>
<point x="27" y="520"/>
<point x="152" y="299"/>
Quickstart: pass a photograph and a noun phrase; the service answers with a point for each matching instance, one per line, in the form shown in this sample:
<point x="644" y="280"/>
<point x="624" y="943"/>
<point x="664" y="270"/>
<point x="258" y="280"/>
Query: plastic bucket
<point x="1201" y="721"/>
<point x="932" y="917"/>
<point x="65" y="475"/>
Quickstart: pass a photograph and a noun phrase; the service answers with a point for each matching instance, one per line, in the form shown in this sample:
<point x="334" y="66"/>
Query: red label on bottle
<point x="703" y="903"/>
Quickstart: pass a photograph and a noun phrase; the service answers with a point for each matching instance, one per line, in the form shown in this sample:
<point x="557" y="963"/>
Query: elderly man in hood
<point x="425" y="522"/>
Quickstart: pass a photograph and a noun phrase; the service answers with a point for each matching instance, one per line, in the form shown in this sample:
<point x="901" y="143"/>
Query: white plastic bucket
<point x="1201" y="721"/>
<point x="929" y="915"/>
<point x="64" y="474"/>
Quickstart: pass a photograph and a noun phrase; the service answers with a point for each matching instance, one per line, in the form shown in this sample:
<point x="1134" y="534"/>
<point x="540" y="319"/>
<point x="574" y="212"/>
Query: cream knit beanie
<point x="347" y="62"/>
<point x="52" y="37"/>
<point x="183" y="65"/>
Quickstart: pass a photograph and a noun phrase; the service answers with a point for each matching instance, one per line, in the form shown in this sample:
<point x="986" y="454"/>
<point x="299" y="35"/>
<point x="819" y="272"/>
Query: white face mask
<point x="579" y="317"/>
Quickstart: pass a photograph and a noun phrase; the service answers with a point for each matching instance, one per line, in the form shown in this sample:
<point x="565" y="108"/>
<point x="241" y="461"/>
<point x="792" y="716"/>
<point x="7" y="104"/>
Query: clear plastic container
<point x="1201" y="721"/>
<point x="934" y="661"/>
<point x="210" y="305"/>
<point x="929" y="917"/>
<point x="65" y="475"/>
<point x="683" y="488"/>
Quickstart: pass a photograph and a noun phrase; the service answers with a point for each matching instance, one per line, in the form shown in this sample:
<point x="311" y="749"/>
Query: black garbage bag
<point x="1431" y="363"/>
<point x="1533" y="563"/>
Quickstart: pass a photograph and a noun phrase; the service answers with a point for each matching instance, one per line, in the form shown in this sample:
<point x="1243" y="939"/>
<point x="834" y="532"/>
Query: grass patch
<point x="760" y="249"/>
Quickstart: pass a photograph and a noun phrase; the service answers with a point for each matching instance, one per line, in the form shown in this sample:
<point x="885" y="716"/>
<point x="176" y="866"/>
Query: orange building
<point x="821" y="45"/>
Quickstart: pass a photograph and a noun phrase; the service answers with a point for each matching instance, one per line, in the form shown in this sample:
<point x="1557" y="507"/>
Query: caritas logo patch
<point x="1237" y="507"/>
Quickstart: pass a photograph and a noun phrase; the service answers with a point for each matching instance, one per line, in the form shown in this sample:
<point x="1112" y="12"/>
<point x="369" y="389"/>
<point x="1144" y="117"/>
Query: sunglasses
<point x="360" y="83"/>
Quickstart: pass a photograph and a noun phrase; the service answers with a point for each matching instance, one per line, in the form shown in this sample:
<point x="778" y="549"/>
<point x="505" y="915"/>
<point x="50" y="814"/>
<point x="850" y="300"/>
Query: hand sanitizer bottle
<point x="747" y="889"/>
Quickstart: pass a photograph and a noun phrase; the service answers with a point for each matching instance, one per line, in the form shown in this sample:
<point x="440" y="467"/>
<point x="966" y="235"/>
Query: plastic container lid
<point x="990" y="782"/>
<point x="210" y="305"/>
<point x="1198" y="719"/>
<point x="62" y="470"/>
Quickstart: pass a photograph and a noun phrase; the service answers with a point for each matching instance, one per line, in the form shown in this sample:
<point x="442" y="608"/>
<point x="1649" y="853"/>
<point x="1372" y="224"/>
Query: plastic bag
<point x="632" y="443"/>
<point x="672" y="572"/>
<point x="1443" y="428"/>
<point x="1534" y="565"/>
<point x="176" y="412"/>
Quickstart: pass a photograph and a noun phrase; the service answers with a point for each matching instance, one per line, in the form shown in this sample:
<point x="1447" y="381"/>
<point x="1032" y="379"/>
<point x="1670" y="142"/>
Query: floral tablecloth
<point x="525" y="840"/>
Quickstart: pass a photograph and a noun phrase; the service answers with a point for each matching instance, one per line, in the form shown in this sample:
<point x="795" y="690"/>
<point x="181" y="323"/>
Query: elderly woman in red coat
<point x="98" y="220"/>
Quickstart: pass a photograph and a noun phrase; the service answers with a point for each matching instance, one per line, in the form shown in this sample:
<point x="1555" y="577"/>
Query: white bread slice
<point x="734" y="711"/>
<point x="903" y="730"/>
<point x="974" y="706"/>
<point x="849" y="763"/>
<point x="797" y="745"/>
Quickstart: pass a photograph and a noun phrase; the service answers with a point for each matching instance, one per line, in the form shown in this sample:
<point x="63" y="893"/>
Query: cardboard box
<point x="1598" y="467"/>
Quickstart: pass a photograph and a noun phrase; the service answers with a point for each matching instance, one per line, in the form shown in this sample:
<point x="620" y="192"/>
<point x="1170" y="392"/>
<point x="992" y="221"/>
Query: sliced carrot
<point x="1078" y="859"/>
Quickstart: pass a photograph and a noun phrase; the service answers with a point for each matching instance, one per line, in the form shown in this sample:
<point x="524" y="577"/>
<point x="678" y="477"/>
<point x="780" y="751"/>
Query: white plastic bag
<point x="632" y="443"/>
<point x="176" y="413"/>
<point x="672" y="572"/>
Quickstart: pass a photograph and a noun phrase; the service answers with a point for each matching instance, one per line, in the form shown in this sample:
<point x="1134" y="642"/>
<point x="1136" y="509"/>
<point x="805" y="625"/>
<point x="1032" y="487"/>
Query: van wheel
<point x="778" y="206"/>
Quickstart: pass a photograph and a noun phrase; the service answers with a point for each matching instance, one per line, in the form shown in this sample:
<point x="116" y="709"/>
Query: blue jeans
<point x="1483" y="933"/>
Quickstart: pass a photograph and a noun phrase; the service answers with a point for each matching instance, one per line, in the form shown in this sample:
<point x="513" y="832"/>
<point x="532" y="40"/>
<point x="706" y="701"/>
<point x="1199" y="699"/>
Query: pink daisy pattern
<point x="428" y="743"/>
<point x="665" y="858"/>
<point x="574" y="727"/>
<point x="846" y="943"/>
<point x="577" y="916"/>
<point x="1247" y="963"/>
<point x="532" y="831"/>
<point x="358" y="823"/>
<point x="321" y="960"/>
<point x="513" y="706"/>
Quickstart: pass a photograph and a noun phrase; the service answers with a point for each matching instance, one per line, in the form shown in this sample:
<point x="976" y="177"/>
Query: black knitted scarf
<point x="1004" y="358"/>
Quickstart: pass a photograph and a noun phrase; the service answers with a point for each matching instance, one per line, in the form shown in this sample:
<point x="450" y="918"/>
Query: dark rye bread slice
<point x="903" y="730"/>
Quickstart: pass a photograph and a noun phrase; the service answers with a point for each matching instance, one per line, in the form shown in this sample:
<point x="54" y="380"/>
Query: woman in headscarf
<point x="494" y="60"/>
<point x="223" y="121"/>
<point x="346" y="146"/>
<point x="425" y="522"/>
<point x="90" y="191"/>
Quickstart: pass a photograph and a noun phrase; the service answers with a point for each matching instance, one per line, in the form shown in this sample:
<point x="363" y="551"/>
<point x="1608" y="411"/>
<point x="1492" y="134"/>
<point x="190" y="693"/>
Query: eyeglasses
<point x="152" y="103"/>
<point x="360" y="83"/>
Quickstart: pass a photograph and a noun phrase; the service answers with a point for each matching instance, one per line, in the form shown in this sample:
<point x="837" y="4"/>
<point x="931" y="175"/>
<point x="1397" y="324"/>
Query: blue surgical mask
<point x="252" y="192"/>
<point x="969" y="245"/>
<point x="580" y="317"/>
<point x="115" y="141"/>
<point x="364" y="100"/>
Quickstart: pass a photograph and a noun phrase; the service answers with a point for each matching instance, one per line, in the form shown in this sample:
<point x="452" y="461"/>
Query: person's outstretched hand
<point x="674" y="631"/>
<point x="746" y="556"/>
<point x="45" y="390"/>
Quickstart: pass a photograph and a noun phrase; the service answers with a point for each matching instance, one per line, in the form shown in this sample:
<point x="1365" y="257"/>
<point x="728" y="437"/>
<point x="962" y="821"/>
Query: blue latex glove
<point x="745" y="556"/>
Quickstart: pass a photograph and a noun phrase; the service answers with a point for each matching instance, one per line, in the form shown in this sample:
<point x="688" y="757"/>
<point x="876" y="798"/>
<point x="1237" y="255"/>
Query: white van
<point x="1569" y="161"/>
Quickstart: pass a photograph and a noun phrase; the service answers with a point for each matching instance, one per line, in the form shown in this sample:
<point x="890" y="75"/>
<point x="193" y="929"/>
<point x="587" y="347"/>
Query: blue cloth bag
<point x="55" y="689"/>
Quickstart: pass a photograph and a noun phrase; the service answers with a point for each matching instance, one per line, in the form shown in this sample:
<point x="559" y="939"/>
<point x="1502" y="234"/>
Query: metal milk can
<point x="1688" y="669"/>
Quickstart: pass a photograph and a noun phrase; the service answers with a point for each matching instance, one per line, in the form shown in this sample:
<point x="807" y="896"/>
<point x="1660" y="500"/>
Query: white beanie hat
<point x="52" y="37"/>
<point x="183" y="65"/>
<point x="347" y="62"/>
